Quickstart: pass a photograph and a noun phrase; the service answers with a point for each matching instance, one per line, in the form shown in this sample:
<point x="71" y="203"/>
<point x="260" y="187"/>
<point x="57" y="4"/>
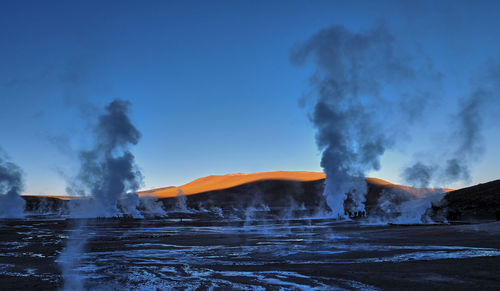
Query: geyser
<point x="360" y="79"/>
<point x="108" y="170"/>
<point x="11" y="184"/>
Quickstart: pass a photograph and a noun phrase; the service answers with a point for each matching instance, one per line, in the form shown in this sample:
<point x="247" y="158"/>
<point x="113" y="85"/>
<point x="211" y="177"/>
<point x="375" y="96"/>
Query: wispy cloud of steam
<point x="466" y="139"/>
<point x="404" y="207"/>
<point x="419" y="174"/>
<point x="360" y="80"/>
<point x="467" y="135"/>
<point x="11" y="185"/>
<point x="108" y="171"/>
<point x="71" y="256"/>
<point x="180" y="202"/>
<point x="151" y="207"/>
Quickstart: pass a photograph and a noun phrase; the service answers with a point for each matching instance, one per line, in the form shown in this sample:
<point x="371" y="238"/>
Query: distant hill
<point x="481" y="201"/>
<point x="220" y="182"/>
<point x="276" y="190"/>
<point x="298" y="189"/>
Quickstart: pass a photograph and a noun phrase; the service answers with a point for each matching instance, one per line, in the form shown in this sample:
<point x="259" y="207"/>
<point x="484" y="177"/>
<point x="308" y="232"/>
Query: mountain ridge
<point x="227" y="181"/>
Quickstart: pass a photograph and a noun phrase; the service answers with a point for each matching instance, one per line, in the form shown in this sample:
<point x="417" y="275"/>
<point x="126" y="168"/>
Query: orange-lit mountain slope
<point x="219" y="182"/>
<point x="412" y="190"/>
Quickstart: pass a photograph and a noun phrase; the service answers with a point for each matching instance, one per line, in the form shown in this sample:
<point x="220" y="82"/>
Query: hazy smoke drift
<point x="405" y="207"/>
<point x="71" y="256"/>
<point x="353" y="72"/>
<point x="109" y="170"/>
<point x="109" y="173"/>
<point x="466" y="135"/>
<point x="419" y="174"/>
<point x="180" y="203"/>
<point x="11" y="184"/>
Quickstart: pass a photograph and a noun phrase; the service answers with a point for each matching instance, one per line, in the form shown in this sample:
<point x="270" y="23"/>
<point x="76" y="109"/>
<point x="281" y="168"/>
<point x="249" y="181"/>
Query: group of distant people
<point x="356" y="214"/>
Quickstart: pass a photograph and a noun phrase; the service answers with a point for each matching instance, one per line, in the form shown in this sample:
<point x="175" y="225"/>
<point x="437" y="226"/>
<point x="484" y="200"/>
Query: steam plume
<point x="419" y="174"/>
<point x="354" y="74"/>
<point x="403" y="207"/>
<point x="108" y="170"/>
<point x="11" y="184"/>
<point x="180" y="203"/>
<point x="466" y="135"/>
<point x="70" y="258"/>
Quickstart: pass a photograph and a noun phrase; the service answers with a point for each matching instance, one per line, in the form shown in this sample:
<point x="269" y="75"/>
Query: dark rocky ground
<point x="478" y="202"/>
<point x="226" y="254"/>
<point x="249" y="237"/>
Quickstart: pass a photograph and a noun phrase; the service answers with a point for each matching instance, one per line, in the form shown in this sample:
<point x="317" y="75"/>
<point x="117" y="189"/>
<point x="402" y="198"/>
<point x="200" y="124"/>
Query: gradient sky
<point x="211" y="84"/>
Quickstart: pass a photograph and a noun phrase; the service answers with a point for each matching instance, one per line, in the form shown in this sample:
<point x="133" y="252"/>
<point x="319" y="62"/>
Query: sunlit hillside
<point x="219" y="182"/>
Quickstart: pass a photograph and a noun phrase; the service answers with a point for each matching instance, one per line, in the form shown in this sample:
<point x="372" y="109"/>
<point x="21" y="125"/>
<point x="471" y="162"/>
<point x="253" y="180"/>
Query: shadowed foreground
<point x="224" y="253"/>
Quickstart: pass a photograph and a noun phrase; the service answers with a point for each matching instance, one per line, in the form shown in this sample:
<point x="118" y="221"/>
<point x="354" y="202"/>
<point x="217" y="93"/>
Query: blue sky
<point x="211" y="84"/>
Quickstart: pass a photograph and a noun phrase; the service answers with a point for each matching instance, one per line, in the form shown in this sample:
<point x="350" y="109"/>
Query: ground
<point x="208" y="252"/>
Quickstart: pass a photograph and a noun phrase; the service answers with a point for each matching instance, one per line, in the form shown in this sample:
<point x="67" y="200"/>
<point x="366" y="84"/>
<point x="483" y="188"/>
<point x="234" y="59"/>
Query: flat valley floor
<point x="221" y="254"/>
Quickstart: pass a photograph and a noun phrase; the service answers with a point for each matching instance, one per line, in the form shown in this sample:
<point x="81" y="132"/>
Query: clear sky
<point x="210" y="82"/>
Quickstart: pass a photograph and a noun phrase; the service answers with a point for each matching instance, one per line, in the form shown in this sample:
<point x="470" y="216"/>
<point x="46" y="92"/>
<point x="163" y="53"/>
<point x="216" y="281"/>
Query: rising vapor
<point x="11" y="185"/>
<point x="361" y="80"/>
<point x="108" y="171"/>
<point x="465" y="143"/>
<point x="419" y="174"/>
